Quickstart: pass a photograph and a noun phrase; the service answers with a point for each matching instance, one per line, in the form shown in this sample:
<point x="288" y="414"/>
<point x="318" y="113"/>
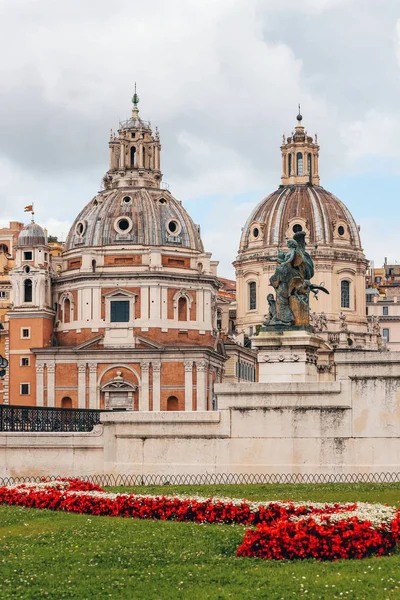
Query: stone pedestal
<point x="286" y="355"/>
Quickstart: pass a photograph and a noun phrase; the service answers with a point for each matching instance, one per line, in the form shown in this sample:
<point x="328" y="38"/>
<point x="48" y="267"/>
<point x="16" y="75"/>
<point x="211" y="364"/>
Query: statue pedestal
<point x="286" y="355"/>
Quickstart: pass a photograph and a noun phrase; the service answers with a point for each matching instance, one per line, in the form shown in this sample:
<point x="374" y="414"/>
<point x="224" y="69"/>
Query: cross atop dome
<point x="300" y="154"/>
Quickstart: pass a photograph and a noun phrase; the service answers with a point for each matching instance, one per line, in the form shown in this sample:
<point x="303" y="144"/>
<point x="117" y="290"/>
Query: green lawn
<point x="57" y="555"/>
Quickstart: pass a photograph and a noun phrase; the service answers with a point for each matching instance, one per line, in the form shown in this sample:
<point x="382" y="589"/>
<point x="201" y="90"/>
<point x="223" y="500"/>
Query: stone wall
<point x="348" y="425"/>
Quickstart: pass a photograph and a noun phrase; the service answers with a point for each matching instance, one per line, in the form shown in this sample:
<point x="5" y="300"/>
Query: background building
<point x="333" y="241"/>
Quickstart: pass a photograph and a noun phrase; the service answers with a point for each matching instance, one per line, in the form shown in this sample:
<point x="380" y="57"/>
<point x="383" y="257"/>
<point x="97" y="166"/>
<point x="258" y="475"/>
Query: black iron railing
<point x="42" y="419"/>
<point x="220" y="478"/>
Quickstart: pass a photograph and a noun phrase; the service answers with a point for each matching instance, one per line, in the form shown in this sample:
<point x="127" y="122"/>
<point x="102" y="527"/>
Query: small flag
<point x="28" y="208"/>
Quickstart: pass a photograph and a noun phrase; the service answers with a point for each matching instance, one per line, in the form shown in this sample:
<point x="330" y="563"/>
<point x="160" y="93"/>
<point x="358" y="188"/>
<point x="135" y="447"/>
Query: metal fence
<point x="220" y="479"/>
<point x="43" y="419"/>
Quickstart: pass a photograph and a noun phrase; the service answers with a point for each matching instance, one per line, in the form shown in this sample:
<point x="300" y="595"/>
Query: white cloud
<point x="375" y="134"/>
<point x="221" y="79"/>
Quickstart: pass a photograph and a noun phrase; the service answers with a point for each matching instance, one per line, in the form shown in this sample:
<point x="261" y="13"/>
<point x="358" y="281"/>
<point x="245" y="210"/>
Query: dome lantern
<point x="300" y="154"/>
<point x="134" y="154"/>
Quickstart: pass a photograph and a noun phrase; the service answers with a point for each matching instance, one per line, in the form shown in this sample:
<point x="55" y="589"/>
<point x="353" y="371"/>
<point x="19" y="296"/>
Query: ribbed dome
<point x="145" y="216"/>
<point x="32" y="235"/>
<point x="324" y="216"/>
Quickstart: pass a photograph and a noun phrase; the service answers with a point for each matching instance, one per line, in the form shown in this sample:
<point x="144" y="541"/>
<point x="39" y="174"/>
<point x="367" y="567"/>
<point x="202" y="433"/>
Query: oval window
<point x="80" y="228"/>
<point x="256" y="232"/>
<point x="341" y="230"/>
<point x="163" y="201"/>
<point x="173" y="227"/>
<point x="296" y="228"/>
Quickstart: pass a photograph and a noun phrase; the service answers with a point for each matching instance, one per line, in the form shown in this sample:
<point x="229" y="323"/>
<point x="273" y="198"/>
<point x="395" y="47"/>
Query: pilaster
<point x="39" y="384"/>
<point x="93" y="400"/>
<point x="156" y="385"/>
<point x="144" y="392"/>
<point x="188" y="384"/>
<point x="201" y="369"/>
<point x="51" y="368"/>
<point x="81" y="385"/>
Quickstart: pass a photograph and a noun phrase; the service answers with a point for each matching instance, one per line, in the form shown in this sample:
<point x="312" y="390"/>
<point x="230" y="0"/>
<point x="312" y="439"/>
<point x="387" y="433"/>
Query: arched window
<point x="144" y="157"/>
<point x="252" y="295"/>
<point x="172" y="403"/>
<point x="4" y="248"/>
<point x="93" y="266"/>
<point x="28" y="290"/>
<point x="345" y="293"/>
<point x="67" y="310"/>
<point x="182" y="309"/>
<point x="66" y="402"/>
<point x="289" y="164"/>
<point x="299" y="160"/>
<point x="133" y="153"/>
<point x="309" y="164"/>
<point x="219" y="319"/>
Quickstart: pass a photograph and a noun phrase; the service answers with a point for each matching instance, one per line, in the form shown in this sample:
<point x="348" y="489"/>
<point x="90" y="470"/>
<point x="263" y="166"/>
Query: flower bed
<point x="281" y="530"/>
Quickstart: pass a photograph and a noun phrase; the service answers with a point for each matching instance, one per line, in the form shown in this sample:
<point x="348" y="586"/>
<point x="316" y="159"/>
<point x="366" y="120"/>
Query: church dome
<point x="298" y="207"/>
<point x="134" y="209"/>
<point x="32" y="235"/>
<point x="136" y="216"/>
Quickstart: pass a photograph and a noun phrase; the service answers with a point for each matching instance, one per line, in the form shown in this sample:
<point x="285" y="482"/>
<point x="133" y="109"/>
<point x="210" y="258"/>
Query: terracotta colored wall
<point x="74" y="263"/>
<point x="71" y="338"/>
<point x="173" y="336"/>
<point x="175" y="262"/>
<point x="165" y="394"/>
<point x="193" y="308"/>
<point x="123" y="259"/>
<point x="172" y="373"/>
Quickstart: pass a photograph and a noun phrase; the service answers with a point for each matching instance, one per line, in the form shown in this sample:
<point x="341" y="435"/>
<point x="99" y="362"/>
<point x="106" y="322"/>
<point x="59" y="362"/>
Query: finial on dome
<point x="299" y="116"/>
<point x="135" y="102"/>
<point x="135" y="98"/>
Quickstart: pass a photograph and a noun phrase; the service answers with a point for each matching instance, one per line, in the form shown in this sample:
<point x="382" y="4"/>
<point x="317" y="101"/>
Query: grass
<point x="57" y="555"/>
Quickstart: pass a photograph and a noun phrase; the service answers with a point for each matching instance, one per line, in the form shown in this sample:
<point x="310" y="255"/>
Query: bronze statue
<point x="292" y="285"/>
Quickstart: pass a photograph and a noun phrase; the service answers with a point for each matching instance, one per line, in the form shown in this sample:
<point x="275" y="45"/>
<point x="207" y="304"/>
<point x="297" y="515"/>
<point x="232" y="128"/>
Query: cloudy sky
<point x="222" y="80"/>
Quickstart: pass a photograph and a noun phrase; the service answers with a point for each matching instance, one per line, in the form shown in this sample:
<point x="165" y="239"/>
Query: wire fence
<point x="133" y="480"/>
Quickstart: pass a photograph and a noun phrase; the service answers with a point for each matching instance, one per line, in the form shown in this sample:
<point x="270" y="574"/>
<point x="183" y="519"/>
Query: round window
<point x="80" y="228"/>
<point x="173" y="227"/>
<point x="123" y="224"/>
<point x="340" y="230"/>
<point x="296" y="228"/>
<point x="126" y="199"/>
<point x="256" y="232"/>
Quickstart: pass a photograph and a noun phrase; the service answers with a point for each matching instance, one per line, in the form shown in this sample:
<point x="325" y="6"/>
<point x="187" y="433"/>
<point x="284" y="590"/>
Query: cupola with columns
<point x="300" y="156"/>
<point x="134" y="153"/>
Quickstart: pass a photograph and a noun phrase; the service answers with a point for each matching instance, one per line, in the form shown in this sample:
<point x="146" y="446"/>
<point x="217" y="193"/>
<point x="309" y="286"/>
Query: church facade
<point x="126" y="319"/>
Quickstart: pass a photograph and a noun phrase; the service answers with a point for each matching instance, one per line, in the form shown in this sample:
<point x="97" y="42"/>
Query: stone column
<point x="39" y="384"/>
<point x="81" y="385"/>
<point x="51" y="367"/>
<point x="93" y="399"/>
<point x="188" y="384"/>
<point x="144" y="392"/>
<point x="201" y="367"/>
<point x="156" y="385"/>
